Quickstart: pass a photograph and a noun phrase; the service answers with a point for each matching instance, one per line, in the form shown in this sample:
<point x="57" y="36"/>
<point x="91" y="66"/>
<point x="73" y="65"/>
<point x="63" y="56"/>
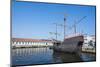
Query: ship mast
<point x="75" y="27"/>
<point x="64" y="26"/>
<point x="77" y="22"/>
<point x="56" y="32"/>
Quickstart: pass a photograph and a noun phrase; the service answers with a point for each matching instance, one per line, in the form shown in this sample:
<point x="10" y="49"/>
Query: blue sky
<point x="35" y="20"/>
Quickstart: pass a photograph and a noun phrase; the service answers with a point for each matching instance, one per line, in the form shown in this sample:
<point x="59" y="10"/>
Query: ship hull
<point x="71" y="45"/>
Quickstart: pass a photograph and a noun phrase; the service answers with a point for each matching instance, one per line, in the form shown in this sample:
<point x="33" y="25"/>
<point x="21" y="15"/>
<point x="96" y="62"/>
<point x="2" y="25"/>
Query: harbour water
<point x="34" y="56"/>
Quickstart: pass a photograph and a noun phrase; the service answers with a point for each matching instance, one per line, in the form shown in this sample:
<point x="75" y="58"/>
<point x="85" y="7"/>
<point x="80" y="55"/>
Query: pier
<point x="88" y="50"/>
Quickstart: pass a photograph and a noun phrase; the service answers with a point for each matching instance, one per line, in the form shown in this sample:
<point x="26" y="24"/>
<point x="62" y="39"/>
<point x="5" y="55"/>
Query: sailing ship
<point x="72" y="43"/>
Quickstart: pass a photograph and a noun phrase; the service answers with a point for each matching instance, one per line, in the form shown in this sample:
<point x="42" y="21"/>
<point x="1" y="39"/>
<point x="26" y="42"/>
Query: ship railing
<point x="73" y="35"/>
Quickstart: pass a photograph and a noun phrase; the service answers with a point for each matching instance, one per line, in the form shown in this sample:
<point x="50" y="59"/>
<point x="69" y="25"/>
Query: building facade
<point x="89" y="43"/>
<point x="23" y="42"/>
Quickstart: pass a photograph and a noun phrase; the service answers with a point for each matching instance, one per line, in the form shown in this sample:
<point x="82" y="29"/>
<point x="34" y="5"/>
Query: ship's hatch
<point x="57" y="43"/>
<point x="80" y="43"/>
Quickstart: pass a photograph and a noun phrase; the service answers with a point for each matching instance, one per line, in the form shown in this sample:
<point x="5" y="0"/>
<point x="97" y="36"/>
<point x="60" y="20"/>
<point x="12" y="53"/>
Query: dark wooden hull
<point x="71" y="45"/>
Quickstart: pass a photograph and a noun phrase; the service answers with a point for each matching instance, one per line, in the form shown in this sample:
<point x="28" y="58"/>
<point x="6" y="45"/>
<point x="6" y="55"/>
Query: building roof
<point x="30" y="40"/>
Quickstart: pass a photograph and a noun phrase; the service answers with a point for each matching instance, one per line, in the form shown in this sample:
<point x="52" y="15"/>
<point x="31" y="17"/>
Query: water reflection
<point x="27" y="56"/>
<point x="66" y="57"/>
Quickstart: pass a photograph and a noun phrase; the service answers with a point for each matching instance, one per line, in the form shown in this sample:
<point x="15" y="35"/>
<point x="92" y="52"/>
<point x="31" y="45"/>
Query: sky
<point x="36" y="20"/>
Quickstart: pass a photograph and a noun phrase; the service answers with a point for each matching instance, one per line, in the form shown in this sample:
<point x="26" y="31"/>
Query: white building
<point x="88" y="39"/>
<point x="89" y="43"/>
<point x="23" y="42"/>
